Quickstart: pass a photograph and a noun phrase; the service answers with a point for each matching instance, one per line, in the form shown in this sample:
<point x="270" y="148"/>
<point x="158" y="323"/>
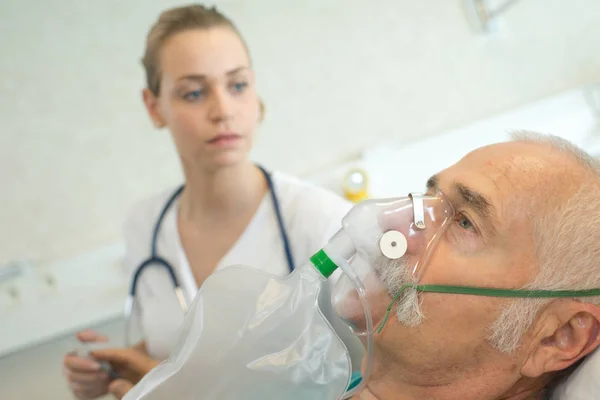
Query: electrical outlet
<point x="47" y="284"/>
<point x="10" y="296"/>
<point x="14" y="277"/>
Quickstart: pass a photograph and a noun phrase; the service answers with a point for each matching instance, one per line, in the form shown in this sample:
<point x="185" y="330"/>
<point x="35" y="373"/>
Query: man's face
<point x="494" y="191"/>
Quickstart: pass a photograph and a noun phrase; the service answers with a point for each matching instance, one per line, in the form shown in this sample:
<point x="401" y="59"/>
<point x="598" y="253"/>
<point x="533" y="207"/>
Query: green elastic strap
<point x="489" y="292"/>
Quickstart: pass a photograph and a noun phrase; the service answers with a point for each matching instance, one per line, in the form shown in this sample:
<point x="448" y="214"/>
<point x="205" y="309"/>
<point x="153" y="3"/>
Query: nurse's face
<point x="207" y="97"/>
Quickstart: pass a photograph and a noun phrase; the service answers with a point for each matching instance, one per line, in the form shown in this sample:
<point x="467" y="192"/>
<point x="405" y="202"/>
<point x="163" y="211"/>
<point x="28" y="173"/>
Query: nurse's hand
<point x="130" y="364"/>
<point x="84" y="376"/>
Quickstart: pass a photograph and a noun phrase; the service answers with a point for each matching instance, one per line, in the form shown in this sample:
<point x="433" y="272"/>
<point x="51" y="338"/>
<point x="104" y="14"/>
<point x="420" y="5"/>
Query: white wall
<point x="76" y="149"/>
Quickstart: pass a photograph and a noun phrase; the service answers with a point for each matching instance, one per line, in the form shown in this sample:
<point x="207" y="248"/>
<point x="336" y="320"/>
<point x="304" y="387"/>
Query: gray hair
<point x="566" y="244"/>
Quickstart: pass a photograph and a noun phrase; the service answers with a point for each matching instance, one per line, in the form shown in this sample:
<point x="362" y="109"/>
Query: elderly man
<point x="526" y="217"/>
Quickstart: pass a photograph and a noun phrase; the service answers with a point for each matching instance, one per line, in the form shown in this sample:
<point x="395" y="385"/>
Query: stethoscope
<point x="156" y="260"/>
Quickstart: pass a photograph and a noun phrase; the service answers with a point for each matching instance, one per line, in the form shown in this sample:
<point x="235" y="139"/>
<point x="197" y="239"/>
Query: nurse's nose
<point x="221" y="109"/>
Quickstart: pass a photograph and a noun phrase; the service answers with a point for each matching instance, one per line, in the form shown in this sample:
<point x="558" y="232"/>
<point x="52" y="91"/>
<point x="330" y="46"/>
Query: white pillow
<point x="583" y="383"/>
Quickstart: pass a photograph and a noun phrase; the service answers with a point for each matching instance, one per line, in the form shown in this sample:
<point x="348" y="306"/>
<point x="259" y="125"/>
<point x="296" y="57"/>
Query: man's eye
<point x="464" y="223"/>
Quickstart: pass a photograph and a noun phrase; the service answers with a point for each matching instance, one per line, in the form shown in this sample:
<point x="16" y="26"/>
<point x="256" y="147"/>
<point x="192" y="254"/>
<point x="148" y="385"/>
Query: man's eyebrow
<point x="432" y="183"/>
<point x="475" y="200"/>
<point x="470" y="198"/>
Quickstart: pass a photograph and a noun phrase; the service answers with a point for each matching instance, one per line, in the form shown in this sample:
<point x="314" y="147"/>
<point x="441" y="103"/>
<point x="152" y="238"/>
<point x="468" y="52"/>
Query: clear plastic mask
<point x="402" y="231"/>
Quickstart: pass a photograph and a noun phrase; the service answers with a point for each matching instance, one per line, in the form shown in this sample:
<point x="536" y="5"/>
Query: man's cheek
<point x="450" y="313"/>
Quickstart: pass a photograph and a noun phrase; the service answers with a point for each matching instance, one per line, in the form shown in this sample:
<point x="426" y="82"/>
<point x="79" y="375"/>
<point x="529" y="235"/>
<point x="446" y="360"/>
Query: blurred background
<point x="397" y="88"/>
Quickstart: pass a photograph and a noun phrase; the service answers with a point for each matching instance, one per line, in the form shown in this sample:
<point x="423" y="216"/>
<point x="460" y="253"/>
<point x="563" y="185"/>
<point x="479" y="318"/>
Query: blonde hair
<point x="176" y="20"/>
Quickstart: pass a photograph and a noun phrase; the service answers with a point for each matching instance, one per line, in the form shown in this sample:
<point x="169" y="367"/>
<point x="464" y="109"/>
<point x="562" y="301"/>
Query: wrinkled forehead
<point x="524" y="170"/>
<point x="513" y="179"/>
<point x="508" y="161"/>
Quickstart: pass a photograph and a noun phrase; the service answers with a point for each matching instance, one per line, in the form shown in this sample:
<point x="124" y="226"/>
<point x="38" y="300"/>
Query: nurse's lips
<point x="224" y="139"/>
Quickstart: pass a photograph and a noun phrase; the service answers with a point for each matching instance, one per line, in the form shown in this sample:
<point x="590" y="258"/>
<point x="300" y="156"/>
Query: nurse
<point x="200" y="86"/>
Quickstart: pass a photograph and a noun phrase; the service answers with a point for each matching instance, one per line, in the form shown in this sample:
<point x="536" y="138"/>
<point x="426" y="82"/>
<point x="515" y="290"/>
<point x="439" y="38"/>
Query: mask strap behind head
<point x="488" y="292"/>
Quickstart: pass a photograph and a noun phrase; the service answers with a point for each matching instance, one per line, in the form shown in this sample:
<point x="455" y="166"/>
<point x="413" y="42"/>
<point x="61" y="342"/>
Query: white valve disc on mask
<point x="393" y="245"/>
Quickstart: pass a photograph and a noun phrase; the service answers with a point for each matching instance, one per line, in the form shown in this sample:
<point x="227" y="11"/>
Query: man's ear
<point x="152" y="106"/>
<point x="568" y="331"/>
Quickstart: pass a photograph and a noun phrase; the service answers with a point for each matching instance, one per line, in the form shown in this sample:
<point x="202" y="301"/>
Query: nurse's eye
<point x="238" y="87"/>
<point x="194" y="95"/>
